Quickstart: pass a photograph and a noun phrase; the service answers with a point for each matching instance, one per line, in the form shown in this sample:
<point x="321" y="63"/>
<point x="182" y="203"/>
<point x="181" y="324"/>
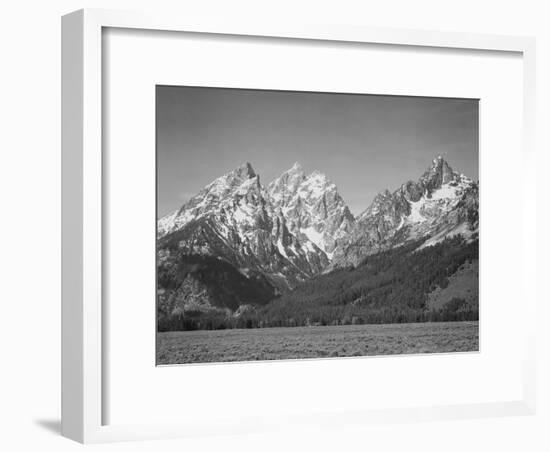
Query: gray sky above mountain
<point x="363" y="143"/>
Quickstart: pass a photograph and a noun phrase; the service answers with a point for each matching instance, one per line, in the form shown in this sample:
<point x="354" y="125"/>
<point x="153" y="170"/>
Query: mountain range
<point x="239" y="242"/>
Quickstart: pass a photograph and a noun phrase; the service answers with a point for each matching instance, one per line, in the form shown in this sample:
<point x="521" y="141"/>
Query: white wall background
<point x="30" y="226"/>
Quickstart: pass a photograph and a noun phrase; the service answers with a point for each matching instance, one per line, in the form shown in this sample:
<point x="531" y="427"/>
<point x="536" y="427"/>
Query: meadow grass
<point x="315" y="342"/>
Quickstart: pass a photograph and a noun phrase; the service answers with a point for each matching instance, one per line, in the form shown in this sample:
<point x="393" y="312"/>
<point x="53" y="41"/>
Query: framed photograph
<point x="299" y="266"/>
<point x="315" y="210"/>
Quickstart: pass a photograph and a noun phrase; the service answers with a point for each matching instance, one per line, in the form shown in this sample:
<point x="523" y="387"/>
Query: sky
<point x="363" y="143"/>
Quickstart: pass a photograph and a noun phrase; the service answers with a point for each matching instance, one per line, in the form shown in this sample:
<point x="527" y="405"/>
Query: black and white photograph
<point x="300" y="225"/>
<point x="255" y="226"/>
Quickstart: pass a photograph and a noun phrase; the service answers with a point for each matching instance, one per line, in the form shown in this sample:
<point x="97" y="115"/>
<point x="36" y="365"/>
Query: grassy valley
<point x="182" y="347"/>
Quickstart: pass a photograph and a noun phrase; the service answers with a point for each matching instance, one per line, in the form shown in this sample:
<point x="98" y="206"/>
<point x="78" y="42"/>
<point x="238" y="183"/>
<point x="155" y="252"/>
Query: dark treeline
<point x="389" y="287"/>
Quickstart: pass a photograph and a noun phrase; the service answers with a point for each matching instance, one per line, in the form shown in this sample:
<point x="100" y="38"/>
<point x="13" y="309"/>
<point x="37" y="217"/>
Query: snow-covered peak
<point x="215" y="197"/>
<point x="229" y="181"/>
<point x="439" y="184"/>
<point x="441" y="203"/>
<point x="312" y="206"/>
<point x="318" y="177"/>
<point x="295" y="172"/>
<point x="282" y="188"/>
<point x="235" y="219"/>
<point x="316" y="185"/>
<point x="296" y="168"/>
<point x="245" y="171"/>
<point x="437" y="174"/>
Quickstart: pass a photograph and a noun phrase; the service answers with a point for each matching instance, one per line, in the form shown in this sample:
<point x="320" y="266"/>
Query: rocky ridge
<point x="295" y="228"/>
<point x="441" y="204"/>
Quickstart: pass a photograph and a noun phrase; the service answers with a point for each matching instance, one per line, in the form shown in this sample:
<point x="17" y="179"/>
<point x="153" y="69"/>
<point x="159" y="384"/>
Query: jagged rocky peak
<point x="218" y="196"/>
<point x="312" y="207"/>
<point x="442" y="203"/>
<point x="412" y="191"/>
<point x="296" y="168"/>
<point x="294" y="184"/>
<point x="437" y="174"/>
<point x="317" y="183"/>
<point x="284" y="187"/>
<point x="238" y="182"/>
<point x="387" y="209"/>
<point x="234" y="219"/>
<point x="381" y="197"/>
<point x="245" y="171"/>
<point x="232" y="179"/>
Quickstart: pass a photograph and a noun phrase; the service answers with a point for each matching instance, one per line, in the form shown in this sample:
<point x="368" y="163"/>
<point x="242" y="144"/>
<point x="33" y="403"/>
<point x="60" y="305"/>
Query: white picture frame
<point x="83" y="197"/>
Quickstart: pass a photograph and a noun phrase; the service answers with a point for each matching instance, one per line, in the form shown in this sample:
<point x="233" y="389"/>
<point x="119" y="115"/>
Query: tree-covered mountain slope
<point x="292" y="252"/>
<point x="404" y="284"/>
